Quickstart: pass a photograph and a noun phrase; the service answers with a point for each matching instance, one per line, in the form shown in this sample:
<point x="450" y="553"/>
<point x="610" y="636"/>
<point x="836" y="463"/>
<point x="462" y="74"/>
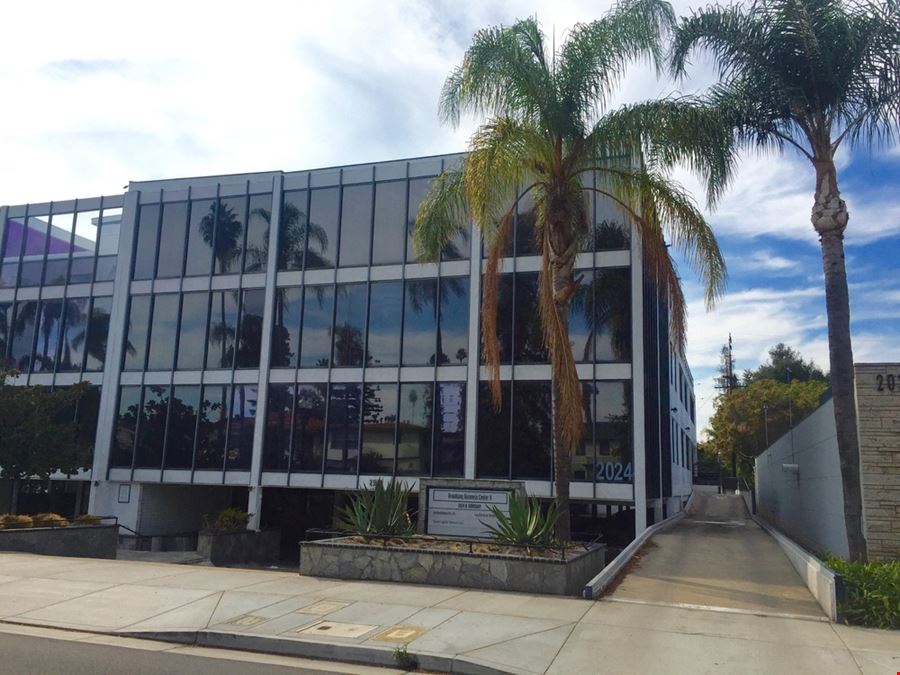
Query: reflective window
<point x="172" y="239"/>
<point x="529" y="336"/>
<point x="84" y="246"/>
<point x="291" y="230"/>
<point x="611" y="229"/>
<point x="356" y="217"/>
<point x="23" y="334"/>
<point x="286" y="333"/>
<point x="256" y="250"/>
<point x="324" y="205"/>
<point x="152" y="427"/>
<point x="418" y="190"/>
<point x="492" y="455"/>
<point x="315" y="343"/>
<point x="98" y="334"/>
<point x="414" y="429"/>
<point x="581" y="324"/>
<point x="240" y="428"/>
<point x="343" y="428"/>
<point x="349" y="325"/>
<point x="137" y="333"/>
<point x="450" y="429"/>
<point x="525" y="227"/>
<point x="108" y="247"/>
<point x="6" y="323"/>
<point x="453" y="327"/>
<point x="612" y="297"/>
<point x="385" y="317"/>
<point x="505" y="289"/>
<point x="163" y="332"/>
<point x="145" y="245"/>
<point x="200" y="237"/>
<point x="212" y="427"/>
<point x="531" y="430"/>
<point x="126" y="426"/>
<point x="250" y="337"/>
<point x="74" y="334"/>
<point x="277" y="447"/>
<point x="182" y="426"/>
<point x="86" y="417"/>
<point x="13" y="237"/>
<point x="389" y="238"/>
<point x="309" y="427"/>
<point x="229" y="237"/>
<point x="223" y="311"/>
<point x="419" y="319"/>
<point x="583" y="455"/>
<point x="48" y="332"/>
<point x="59" y="246"/>
<point x="192" y="335"/>
<point x="379" y="427"/>
<point x="36" y="236"/>
<point x="612" y="432"/>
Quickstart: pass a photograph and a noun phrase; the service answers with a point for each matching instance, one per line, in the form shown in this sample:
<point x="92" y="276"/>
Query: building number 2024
<point x="886" y="382"/>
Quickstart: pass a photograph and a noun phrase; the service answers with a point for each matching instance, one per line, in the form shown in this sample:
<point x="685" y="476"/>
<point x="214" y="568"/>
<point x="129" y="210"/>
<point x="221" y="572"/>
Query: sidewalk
<point x="447" y="629"/>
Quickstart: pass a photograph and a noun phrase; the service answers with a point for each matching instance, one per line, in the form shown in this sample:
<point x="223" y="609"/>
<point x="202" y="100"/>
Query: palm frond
<point x="441" y="214"/>
<point x="490" y="298"/>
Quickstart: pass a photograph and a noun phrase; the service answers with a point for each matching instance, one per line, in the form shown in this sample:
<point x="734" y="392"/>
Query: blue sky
<point x="95" y="97"/>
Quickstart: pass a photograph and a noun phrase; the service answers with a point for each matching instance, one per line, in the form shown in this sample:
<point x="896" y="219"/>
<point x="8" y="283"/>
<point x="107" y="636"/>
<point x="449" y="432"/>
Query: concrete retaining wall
<point x="93" y="541"/>
<point x="235" y="548"/>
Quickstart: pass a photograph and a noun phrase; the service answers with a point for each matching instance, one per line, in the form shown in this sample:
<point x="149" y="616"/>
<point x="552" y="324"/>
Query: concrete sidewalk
<point x="447" y="629"/>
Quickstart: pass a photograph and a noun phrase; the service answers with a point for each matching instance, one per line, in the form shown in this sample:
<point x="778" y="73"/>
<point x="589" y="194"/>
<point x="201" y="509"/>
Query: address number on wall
<point x="886" y="382"/>
<point x="613" y="472"/>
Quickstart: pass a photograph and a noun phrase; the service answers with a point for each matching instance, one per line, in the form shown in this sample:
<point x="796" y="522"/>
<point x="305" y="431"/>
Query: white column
<point x="637" y="383"/>
<point x="474" y="365"/>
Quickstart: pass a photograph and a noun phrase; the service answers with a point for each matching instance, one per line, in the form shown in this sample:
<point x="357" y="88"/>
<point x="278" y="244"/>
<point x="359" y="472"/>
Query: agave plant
<point x="526" y="524"/>
<point x="380" y="509"/>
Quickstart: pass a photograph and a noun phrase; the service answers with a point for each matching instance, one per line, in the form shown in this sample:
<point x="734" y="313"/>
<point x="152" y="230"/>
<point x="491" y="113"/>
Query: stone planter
<point x="236" y="548"/>
<point x="81" y="541"/>
<point x="343" y="558"/>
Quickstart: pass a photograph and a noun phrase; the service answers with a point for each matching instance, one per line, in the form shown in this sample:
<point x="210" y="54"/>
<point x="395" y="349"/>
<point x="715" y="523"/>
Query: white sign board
<point x="459" y="512"/>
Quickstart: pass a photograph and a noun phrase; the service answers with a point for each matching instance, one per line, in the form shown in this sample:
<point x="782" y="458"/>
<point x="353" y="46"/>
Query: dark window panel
<point x="323" y="227"/>
<point x="36" y="244"/>
<point x="106" y="268"/>
<point x="379" y="425"/>
<point x="531" y="434"/>
<point x="612" y="297"/>
<point x="23" y="334"/>
<point x="13" y="238"/>
<point x="459" y="246"/>
<point x="525" y="227"/>
<point x="146" y="242"/>
<point x="223" y="317"/>
<point x="256" y="250"/>
<point x="349" y="325"/>
<point x="152" y="427"/>
<point x="292" y="230"/>
<point x="6" y="330"/>
<point x="192" y="336"/>
<point x="48" y="333"/>
<point x="86" y="417"/>
<point x="419" y="322"/>
<point x="315" y="342"/>
<point x="56" y="271"/>
<point x="450" y="429"/>
<point x="9" y="273"/>
<point x="212" y="427"/>
<point x="389" y="238"/>
<point x="581" y="324"/>
<point x="344" y="416"/>
<point x="200" y="237"/>
<point x="250" y="336"/>
<point x="240" y="430"/>
<point x="418" y="190"/>
<point x="31" y="273"/>
<point x="277" y="447"/>
<point x="137" y="333"/>
<point x="182" y="426"/>
<point x="414" y="431"/>
<point x="81" y="271"/>
<point x="492" y="454"/>
<point x="505" y="290"/>
<point x="356" y="219"/>
<point x="612" y="432"/>
<point x="172" y="239"/>
<point x="98" y="334"/>
<point x="163" y="332"/>
<point x="611" y="234"/>
<point x="529" y="335"/>
<point x="75" y="334"/>
<point x="230" y="218"/>
<point x="309" y="427"/>
<point x="453" y="328"/>
<point x="385" y="318"/>
<point x="110" y="228"/>
<point x="583" y="456"/>
<point x="286" y="333"/>
<point x="126" y="425"/>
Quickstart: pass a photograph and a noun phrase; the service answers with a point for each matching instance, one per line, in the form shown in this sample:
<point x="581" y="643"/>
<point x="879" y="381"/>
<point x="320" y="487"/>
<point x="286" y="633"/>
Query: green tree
<point x="785" y="364"/>
<point x="814" y="75"/>
<point x="545" y="137"/>
<point x="40" y="436"/>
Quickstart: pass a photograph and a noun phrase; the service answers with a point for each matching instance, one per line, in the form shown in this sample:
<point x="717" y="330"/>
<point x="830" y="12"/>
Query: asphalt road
<point x="27" y="655"/>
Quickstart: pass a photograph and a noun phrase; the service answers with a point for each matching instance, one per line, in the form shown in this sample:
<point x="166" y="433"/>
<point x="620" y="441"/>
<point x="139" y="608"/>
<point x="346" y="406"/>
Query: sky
<point x="96" y="94"/>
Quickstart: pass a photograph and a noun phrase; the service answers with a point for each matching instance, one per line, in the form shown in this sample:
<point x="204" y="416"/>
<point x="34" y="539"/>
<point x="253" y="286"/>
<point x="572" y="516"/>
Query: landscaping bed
<point x="83" y="538"/>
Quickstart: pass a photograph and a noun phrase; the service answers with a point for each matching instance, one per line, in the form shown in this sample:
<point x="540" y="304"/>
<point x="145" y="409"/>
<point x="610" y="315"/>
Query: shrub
<point x="226" y="520"/>
<point x="526" y="525"/>
<point x="378" y="510"/>
<point x="49" y="520"/>
<point x="13" y="522"/>
<point x="873" y="592"/>
<point x="88" y="519"/>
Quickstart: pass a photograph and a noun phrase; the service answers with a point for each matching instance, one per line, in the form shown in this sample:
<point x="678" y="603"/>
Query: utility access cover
<point x="334" y="629"/>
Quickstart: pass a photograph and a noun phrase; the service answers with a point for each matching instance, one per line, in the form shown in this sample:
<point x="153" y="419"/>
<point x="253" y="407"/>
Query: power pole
<point x="727" y="382"/>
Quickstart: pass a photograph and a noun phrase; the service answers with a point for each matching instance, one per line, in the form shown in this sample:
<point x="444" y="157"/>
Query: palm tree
<point x="545" y="132"/>
<point x="813" y="75"/>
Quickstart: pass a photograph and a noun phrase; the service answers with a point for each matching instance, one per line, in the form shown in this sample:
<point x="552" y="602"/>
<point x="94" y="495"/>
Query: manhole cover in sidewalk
<point x="323" y="607"/>
<point x="246" y="620"/>
<point x="400" y="634"/>
<point x="335" y="629"/>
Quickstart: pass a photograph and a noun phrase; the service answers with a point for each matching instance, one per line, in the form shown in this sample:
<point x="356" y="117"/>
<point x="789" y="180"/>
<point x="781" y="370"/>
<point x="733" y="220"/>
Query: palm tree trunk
<point x="829" y="218"/>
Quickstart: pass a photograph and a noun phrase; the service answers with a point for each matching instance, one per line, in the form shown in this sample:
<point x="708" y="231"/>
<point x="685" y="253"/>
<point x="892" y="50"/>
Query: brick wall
<point x="878" y="405"/>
